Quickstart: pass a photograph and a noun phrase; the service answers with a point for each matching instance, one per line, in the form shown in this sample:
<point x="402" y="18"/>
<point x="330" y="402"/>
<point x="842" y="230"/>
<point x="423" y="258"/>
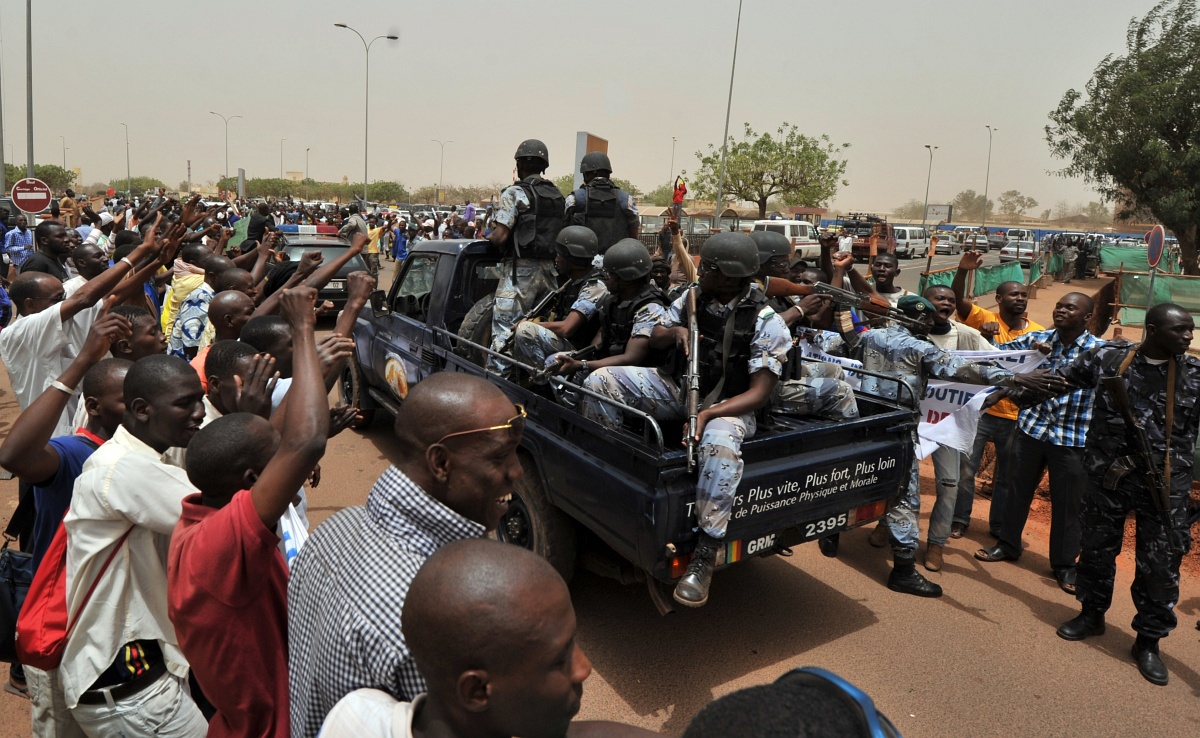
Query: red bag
<point x="42" y="626"/>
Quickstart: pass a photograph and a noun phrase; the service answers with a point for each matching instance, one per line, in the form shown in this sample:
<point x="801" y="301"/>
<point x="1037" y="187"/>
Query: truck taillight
<point x="679" y="565"/>
<point x="867" y="512"/>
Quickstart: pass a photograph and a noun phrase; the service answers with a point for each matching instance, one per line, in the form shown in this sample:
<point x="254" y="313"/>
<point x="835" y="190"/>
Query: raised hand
<point x="108" y="329"/>
<point x="296" y="305"/>
<point x="254" y="391"/>
<point x="970" y="260"/>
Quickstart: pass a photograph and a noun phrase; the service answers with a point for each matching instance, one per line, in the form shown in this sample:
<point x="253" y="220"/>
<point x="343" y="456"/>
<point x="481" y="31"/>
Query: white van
<point x="801" y="233"/>
<point x="911" y="242"/>
<point x="1020" y="234"/>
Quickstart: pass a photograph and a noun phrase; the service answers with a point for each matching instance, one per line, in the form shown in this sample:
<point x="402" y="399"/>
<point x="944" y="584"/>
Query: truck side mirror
<point x="379" y="306"/>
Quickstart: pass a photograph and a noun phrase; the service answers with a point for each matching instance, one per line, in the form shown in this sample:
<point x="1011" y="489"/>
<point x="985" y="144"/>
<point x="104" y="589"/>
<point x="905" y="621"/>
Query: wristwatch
<point x="584" y="364"/>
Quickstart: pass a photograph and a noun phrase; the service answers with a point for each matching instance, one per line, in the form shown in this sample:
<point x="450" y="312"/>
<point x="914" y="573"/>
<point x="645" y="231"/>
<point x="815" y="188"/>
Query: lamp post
<point x="925" y="212"/>
<point x="226" y="119"/>
<point x="64" y="143"/>
<point x="128" y="176"/>
<point x="671" y="175"/>
<point x="366" y="94"/>
<point x="728" y="106"/>
<point x="29" y="82"/>
<point x="281" y="157"/>
<point x="987" y="178"/>
<point x="306" y="172"/>
<point x="441" y="158"/>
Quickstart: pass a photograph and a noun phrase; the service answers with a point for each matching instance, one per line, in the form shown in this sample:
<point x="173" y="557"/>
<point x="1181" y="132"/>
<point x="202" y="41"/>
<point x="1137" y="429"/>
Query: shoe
<point x="933" y="557"/>
<point x="1145" y="653"/>
<point x="1087" y="623"/>
<point x="880" y="535"/>
<point x="17" y="687"/>
<point x="692" y="589"/>
<point x="957" y="530"/>
<point x="994" y="554"/>
<point x="907" y="580"/>
<point x="829" y="545"/>
<point x="1065" y="576"/>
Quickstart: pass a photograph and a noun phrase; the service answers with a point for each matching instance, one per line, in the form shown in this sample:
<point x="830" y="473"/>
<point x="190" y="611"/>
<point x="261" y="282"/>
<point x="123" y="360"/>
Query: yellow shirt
<point x="372" y="246"/>
<point x="976" y="318"/>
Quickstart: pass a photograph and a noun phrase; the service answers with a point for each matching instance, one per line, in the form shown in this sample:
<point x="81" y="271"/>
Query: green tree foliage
<point x="660" y="195"/>
<point x="911" y="210"/>
<point x="798" y="169"/>
<point x="968" y="206"/>
<point x="55" y="177"/>
<point x="380" y="191"/>
<point x="1013" y="202"/>
<point x="1098" y="214"/>
<point x="140" y="184"/>
<point x="565" y="184"/>
<point x="1134" y="133"/>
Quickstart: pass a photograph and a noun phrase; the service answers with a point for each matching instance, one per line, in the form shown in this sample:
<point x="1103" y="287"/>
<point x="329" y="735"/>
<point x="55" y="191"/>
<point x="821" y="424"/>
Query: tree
<point x="55" y="177"/>
<point x="140" y="184"/>
<point x="392" y="192"/>
<point x="968" y="206"/>
<point x="1135" y="138"/>
<point x="799" y="169"/>
<point x="1098" y="214"/>
<point x="565" y="184"/>
<point x="1013" y="202"/>
<point x="912" y="210"/>
<point x="660" y="195"/>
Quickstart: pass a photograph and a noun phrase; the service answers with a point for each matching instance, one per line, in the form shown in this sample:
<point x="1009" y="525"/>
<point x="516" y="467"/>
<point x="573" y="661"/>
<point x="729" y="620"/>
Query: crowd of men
<point x="174" y="406"/>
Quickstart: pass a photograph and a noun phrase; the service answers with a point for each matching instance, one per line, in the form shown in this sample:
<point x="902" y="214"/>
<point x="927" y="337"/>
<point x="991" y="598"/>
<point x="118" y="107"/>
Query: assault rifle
<point x="541" y="376"/>
<point x="866" y="303"/>
<point x="691" y="378"/>
<point x="1160" y="490"/>
<point x="533" y="312"/>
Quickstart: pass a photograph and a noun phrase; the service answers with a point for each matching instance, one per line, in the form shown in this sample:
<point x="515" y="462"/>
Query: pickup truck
<point x="620" y="503"/>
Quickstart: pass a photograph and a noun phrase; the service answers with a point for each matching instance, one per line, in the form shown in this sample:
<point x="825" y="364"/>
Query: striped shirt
<point x="1061" y="420"/>
<point x="19" y="245"/>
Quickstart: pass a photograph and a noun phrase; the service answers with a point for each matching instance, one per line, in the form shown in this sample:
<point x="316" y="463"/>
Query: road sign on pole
<point x="31" y="195"/>
<point x="1155" y="241"/>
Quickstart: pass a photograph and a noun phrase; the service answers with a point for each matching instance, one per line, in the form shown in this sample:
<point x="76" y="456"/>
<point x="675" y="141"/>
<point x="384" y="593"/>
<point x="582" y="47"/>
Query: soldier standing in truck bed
<point x="599" y="204"/>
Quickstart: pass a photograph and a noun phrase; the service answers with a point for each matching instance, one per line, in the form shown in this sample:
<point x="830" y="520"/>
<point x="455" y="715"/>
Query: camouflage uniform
<point x="640" y="387"/>
<point x="821" y="391"/>
<point x="522" y="281"/>
<point x="533" y="343"/>
<point x="1155" y="588"/>
<point x="896" y="352"/>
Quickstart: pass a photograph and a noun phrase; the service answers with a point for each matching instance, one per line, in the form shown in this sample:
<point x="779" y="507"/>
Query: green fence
<point x="1133" y="259"/>
<point x="1133" y="295"/>
<point x="987" y="278"/>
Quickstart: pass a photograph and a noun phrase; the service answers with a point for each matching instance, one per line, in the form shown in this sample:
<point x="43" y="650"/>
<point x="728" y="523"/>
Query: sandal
<point x="17" y="688"/>
<point x="994" y="554"/>
<point x="1066" y="579"/>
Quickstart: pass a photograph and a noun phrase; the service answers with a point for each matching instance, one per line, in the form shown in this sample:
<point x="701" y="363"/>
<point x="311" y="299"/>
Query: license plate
<point x="337" y="284"/>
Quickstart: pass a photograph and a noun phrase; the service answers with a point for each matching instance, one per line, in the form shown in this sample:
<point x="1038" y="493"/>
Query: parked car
<point x="1022" y="251"/>
<point x="912" y="242"/>
<point x="948" y="244"/>
<point x="801" y="233"/>
<point x="998" y="241"/>
<point x="976" y="243"/>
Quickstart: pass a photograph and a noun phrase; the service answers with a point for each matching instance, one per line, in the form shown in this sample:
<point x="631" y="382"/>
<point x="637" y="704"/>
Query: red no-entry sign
<point x="31" y="195"/>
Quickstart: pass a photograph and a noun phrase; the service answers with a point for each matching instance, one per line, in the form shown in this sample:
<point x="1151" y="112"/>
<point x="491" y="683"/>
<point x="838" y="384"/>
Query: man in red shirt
<point x="227" y="581"/>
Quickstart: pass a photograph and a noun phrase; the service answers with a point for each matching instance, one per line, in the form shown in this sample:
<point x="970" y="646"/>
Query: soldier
<point x="574" y="310"/>
<point x="600" y="205"/>
<point x="525" y="225"/>
<point x="905" y="353"/>
<point x="1162" y="382"/>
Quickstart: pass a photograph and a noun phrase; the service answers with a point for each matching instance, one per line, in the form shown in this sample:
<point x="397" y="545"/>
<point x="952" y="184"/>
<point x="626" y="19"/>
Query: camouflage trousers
<point x="516" y="295"/>
<point x="1155" y="588"/>
<point x="719" y="455"/>
<point x="821" y="397"/>
<point x="533" y="344"/>
<point x="904" y="512"/>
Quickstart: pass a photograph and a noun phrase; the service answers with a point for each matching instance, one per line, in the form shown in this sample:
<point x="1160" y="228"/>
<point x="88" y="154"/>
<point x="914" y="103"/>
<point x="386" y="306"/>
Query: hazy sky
<point x="886" y="76"/>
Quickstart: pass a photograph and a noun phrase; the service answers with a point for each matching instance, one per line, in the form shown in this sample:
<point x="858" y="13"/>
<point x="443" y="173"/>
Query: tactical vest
<point x="599" y="205"/>
<point x="561" y="308"/>
<point x="713" y="363"/>
<point x="619" y="319"/>
<point x="535" y="230"/>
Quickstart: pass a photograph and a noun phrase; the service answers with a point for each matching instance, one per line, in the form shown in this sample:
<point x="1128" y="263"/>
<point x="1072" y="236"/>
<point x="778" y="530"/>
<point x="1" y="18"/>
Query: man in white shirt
<point x="122" y="659"/>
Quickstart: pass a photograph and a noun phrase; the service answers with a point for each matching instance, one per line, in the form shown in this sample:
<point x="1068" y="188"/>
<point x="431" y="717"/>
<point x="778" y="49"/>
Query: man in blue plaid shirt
<point x="1051" y="435"/>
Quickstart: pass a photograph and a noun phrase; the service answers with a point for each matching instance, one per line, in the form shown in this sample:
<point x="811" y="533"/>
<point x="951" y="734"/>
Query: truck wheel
<point x="476" y="328"/>
<point x="352" y="389"/>
<point x="533" y="523"/>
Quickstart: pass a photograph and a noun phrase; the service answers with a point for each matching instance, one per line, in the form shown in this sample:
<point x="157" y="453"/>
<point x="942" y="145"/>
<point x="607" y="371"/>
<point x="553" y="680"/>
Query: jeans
<point x="946" y="463"/>
<point x="999" y="431"/>
<point x="1067" y="482"/>
<point x="51" y="718"/>
<point x="163" y="709"/>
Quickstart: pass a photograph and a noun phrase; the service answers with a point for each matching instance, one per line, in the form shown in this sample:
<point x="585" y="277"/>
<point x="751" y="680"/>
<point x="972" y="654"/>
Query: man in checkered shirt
<point x="458" y="462"/>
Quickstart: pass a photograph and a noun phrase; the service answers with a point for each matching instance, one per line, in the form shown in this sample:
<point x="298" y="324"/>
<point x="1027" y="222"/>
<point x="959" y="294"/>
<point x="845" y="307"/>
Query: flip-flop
<point x="19" y="691"/>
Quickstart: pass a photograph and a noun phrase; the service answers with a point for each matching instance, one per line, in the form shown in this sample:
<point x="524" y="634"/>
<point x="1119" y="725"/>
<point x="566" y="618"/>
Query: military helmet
<point x="578" y="244"/>
<point x="595" y="161"/>
<point x="532" y="148"/>
<point x="771" y="244"/>
<point x="734" y="254"/>
<point x="628" y="259"/>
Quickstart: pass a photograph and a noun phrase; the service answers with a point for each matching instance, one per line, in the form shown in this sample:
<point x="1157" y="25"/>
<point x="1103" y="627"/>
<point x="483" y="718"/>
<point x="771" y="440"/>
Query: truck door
<point x="396" y="353"/>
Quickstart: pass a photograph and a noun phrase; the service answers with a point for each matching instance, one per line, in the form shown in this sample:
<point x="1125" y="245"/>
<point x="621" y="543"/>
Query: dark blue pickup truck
<point x="589" y="492"/>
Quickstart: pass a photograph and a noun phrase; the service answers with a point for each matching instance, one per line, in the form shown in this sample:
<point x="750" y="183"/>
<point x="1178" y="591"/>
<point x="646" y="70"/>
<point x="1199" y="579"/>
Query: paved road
<point x="981" y="661"/>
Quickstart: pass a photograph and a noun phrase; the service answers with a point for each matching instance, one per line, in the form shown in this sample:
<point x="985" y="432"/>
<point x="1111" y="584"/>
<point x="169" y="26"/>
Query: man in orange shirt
<point x="999" y="423"/>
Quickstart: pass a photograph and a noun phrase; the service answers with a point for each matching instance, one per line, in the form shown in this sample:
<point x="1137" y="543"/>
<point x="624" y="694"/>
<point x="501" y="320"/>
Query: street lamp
<point x="222" y="117"/>
<point x="728" y="106"/>
<point x="366" y="93"/>
<point x="987" y="177"/>
<point x="671" y="177"/>
<point x="441" y="158"/>
<point x="281" y="157"/>
<point x="128" y="176"/>
<point x="925" y="212"/>
<point x="306" y="172"/>
<point x="64" y="143"/>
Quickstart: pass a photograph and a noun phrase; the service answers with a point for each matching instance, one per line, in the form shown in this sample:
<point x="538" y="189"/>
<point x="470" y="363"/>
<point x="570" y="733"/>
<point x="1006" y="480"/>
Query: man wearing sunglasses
<point x="456" y="467"/>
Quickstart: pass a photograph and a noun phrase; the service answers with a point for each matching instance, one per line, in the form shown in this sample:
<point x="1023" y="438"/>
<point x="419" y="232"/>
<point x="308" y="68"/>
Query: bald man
<point x="458" y="437"/>
<point x="227" y="313"/>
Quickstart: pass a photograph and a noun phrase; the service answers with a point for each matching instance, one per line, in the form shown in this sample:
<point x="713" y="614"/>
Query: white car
<point x="947" y="245"/>
<point x="1022" y="251"/>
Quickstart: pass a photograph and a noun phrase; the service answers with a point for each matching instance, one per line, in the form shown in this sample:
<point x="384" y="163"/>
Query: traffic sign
<point x="1155" y="240"/>
<point x="31" y="195"/>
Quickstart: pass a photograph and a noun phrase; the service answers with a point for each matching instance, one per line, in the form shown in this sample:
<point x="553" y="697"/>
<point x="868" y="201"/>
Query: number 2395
<point x="828" y="525"/>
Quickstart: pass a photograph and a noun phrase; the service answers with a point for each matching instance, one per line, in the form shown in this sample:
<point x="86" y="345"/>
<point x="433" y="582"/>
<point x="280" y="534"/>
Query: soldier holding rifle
<point x="1138" y="457"/>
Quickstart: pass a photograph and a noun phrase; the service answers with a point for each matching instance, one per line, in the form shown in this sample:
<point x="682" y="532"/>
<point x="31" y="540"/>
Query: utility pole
<point x="189" y="181"/>
<point x="987" y="180"/>
<point x="728" y="106"/>
<point x="3" y="176"/>
<point x="29" y="80"/>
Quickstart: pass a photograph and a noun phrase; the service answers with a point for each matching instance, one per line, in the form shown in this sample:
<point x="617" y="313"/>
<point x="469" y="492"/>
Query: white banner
<point x="950" y="410"/>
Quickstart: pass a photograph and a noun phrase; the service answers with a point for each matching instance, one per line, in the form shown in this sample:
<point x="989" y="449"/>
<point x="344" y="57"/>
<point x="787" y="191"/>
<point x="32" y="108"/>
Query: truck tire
<point x="352" y="389"/>
<point x="476" y="328"/>
<point x="532" y="522"/>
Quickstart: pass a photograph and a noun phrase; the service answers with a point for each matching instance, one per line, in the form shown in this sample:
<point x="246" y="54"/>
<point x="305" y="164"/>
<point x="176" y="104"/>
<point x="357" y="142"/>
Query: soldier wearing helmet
<point x="600" y="205"/>
<point x="572" y="317"/>
<point x="525" y="224"/>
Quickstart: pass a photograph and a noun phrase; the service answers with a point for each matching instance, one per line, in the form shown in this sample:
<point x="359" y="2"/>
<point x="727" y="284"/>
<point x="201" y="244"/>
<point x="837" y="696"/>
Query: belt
<point x="111" y="695"/>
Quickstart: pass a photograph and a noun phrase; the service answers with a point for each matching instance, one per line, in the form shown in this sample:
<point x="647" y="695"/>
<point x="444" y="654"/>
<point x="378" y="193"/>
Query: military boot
<point x="692" y="589"/>
<point x="906" y="579"/>
<point x="1087" y="623"/>
<point x="1145" y="653"/>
